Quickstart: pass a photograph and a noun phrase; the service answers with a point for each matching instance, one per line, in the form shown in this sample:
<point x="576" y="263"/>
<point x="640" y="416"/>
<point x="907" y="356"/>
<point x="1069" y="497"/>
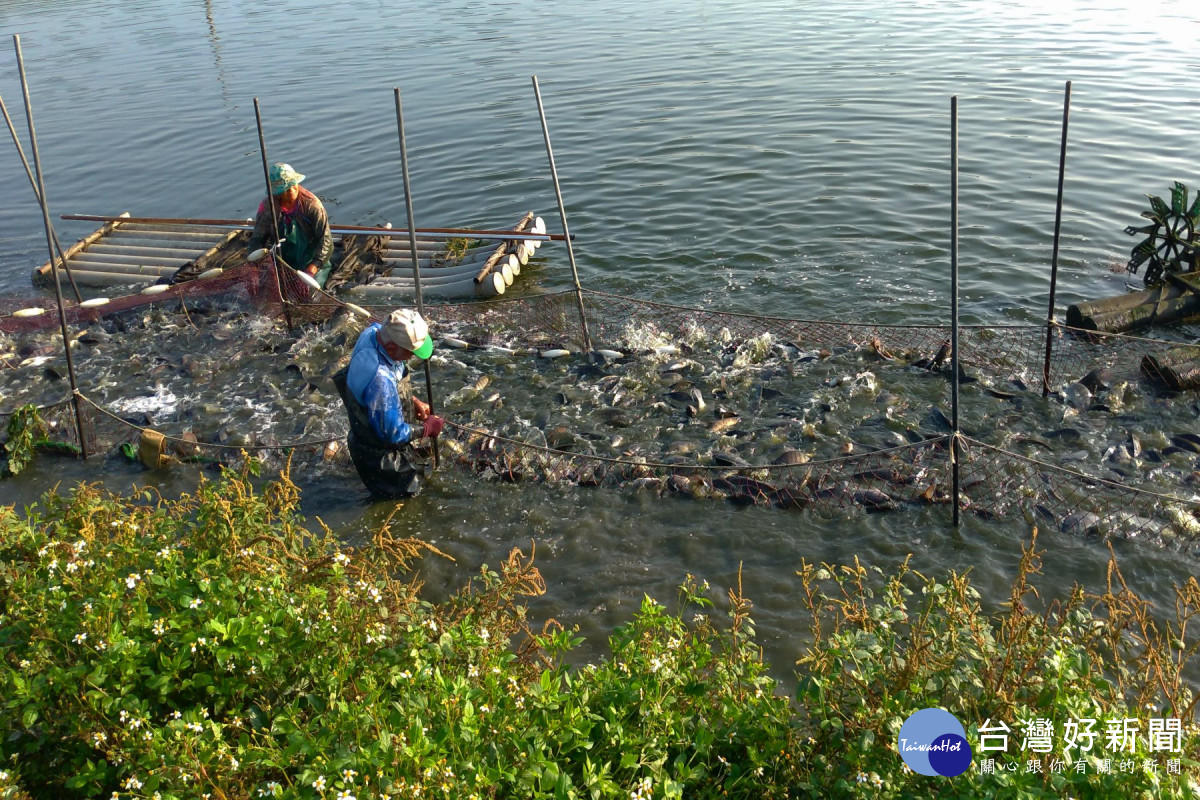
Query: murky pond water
<point x="787" y="158"/>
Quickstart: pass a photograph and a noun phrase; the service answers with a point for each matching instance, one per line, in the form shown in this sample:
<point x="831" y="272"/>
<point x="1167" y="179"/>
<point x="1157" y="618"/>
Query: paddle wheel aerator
<point x="1170" y="243"/>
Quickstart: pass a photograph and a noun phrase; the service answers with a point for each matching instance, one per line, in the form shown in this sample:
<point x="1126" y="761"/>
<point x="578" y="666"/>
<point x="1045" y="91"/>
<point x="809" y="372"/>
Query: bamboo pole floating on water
<point x="416" y="266"/>
<point x="500" y="252"/>
<point x="37" y="195"/>
<point x="1062" y="170"/>
<point x="262" y="146"/>
<point x="954" y="363"/>
<point x="562" y="211"/>
<point x="464" y="287"/>
<point x="241" y="224"/>
<point x="44" y="203"/>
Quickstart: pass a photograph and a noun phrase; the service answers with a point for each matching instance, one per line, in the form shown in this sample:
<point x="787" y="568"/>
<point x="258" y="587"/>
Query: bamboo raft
<point x="1178" y="298"/>
<point x="133" y="255"/>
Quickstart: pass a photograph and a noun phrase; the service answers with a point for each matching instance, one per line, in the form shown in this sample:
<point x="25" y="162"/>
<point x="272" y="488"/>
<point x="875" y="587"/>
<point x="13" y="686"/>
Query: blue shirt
<point x="372" y="379"/>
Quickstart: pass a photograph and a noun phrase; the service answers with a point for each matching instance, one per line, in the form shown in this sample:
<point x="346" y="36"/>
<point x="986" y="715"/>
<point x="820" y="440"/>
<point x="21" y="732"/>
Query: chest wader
<point x="387" y="470"/>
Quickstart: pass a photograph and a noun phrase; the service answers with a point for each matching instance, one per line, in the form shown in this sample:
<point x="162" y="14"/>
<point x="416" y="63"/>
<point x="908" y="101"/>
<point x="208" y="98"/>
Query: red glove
<point x="433" y="426"/>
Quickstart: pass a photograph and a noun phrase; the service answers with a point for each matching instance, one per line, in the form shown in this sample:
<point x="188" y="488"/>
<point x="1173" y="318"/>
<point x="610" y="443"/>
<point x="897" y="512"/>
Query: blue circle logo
<point x="933" y="742"/>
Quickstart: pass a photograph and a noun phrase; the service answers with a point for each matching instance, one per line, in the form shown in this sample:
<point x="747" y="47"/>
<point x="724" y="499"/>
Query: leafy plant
<point x="217" y="646"/>
<point x="26" y="429"/>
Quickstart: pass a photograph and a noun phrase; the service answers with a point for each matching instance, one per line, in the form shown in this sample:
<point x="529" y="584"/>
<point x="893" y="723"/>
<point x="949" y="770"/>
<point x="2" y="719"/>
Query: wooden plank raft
<point x="129" y="254"/>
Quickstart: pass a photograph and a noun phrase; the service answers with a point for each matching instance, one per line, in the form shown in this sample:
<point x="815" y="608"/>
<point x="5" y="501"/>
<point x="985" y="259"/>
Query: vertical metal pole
<point x="33" y="182"/>
<point x="44" y="201"/>
<point x="412" y="243"/>
<point x="262" y="147"/>
<point x="1062" y="171"/>
<point x="562" y="212"/>
<point x="954" y="365"/>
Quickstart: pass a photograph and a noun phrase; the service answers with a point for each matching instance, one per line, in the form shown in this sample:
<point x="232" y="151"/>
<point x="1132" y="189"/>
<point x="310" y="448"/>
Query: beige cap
<point x="405" y="328"/>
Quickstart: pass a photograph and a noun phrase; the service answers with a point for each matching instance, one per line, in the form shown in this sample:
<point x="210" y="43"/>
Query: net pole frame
<point x="1058" y="207"/>
<point x="37" y="195"/>
<point x="955" y="452"/>
<point x="562" y="212"/>
<point x="262" y="148"/>
<point x="412" y="243"/>
<point x="40" y="191"/>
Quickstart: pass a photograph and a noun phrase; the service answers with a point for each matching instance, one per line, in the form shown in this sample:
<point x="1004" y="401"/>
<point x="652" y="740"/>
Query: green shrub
<point x="216" y="646"/>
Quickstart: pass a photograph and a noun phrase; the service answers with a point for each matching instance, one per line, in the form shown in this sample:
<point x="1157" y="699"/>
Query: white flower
<point x="80" y="546"/>
<point x="24" y="663"/>
<point x="158" y="628"/>
<point x="348" y="775"/>
<point x="473" y="671"/>
<point x="80" y="638"/>
<point x="373" y="593"/>
<point x="345" y="795"/>
<point x="134" y="724"/>
<point x="53" y="565"/>
<point x="132" y="783"/>
<point x="132" y="580"/>
<point x="73" y="566"/>
<point x="99" y="737"/>
<point x="196" y="601"/>
<point x="319" y="783"/>
<point x="483" y="634"/>
<point x="342" y="558"/>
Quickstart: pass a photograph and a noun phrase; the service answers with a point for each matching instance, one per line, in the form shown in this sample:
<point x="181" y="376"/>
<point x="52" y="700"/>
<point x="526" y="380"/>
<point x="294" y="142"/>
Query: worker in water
<point x="303" y="226"/>
<point x="376" y="391"/>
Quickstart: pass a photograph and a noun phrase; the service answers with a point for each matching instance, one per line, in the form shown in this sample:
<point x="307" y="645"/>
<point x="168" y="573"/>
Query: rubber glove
<point x="433" y="426"/>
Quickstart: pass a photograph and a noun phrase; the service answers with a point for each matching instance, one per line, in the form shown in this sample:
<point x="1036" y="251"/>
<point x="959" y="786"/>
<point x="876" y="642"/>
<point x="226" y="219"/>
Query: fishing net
<point x="785" y="460"/>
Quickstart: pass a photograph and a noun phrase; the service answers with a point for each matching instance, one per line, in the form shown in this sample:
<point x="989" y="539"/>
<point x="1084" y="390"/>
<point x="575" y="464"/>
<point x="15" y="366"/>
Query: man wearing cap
<point x="375" y="389"/>
<point x="305" y="241"/>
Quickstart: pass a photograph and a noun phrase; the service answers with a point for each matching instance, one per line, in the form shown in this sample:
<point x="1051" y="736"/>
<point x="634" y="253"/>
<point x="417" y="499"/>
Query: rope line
<point x="661" y="465"/>
<point x="1084" y="477"/>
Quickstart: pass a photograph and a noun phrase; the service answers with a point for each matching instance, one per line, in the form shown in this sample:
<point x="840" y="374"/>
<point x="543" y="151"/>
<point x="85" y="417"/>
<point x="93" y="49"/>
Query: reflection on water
<point x="781" y="158"/>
